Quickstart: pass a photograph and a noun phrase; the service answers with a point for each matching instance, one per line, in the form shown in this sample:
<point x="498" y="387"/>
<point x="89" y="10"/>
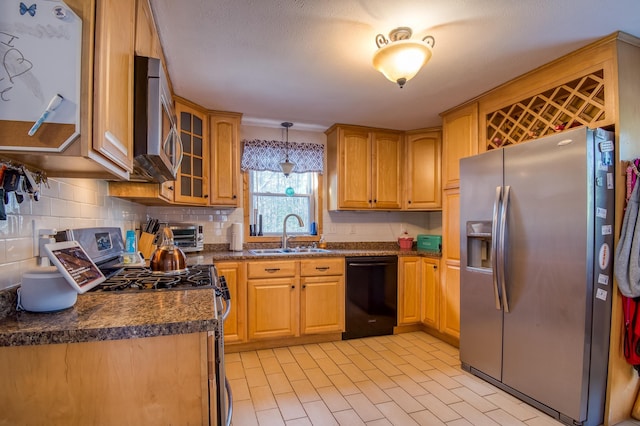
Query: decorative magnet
<point x="59" y="12"/>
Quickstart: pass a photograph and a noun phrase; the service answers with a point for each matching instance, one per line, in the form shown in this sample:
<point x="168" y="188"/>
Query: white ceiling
<point x="309" y="61"/>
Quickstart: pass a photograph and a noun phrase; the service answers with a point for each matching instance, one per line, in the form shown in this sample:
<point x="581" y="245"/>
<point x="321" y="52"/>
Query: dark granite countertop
<point x="113" y="316"/>
<point x="218" y="253"/>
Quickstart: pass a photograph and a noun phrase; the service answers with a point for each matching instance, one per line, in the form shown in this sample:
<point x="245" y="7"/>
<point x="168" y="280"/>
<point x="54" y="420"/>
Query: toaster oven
<point x="189" y="237"/>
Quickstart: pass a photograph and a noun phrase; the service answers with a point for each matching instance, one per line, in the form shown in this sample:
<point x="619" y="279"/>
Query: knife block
<point x="145" y="245"/>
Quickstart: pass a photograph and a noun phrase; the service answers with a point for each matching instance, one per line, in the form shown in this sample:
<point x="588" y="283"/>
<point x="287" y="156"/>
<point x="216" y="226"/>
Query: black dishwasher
<point x="372" y="296"/>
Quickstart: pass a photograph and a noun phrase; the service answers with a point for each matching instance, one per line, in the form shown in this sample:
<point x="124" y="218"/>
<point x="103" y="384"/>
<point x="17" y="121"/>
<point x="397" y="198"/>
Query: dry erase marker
<point x="55" y="103"/>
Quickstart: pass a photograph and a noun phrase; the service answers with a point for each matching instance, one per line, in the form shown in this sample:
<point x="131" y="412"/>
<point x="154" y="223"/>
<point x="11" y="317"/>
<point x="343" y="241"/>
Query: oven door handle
<point x="227" y="386"/>
<point x="227" y="309"/>
<point x="366" y="265"/>
<point x="225" y="296"/>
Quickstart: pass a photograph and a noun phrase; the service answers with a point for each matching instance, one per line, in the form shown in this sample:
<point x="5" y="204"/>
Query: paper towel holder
<point x="236" y="237"/>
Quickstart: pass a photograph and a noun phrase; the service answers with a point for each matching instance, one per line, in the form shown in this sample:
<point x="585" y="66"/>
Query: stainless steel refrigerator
<point x="536" y="251"/>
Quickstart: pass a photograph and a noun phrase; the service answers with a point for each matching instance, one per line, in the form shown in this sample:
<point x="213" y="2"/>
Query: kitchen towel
<point x="627" y="256"/>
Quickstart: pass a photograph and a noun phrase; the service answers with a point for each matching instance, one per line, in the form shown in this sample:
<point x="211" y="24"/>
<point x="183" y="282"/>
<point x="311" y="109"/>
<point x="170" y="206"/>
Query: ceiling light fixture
<point x="287" y="166"/>
<point x="399" y="58"/>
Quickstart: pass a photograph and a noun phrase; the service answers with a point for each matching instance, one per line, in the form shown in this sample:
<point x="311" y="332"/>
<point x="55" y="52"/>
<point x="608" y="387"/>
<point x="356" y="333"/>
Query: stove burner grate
<point x="140" y="279"/>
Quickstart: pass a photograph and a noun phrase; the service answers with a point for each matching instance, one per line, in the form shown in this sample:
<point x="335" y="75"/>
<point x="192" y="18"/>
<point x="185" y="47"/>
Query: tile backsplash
<point x="65" y="203"/>
<point x="81" y="203"/>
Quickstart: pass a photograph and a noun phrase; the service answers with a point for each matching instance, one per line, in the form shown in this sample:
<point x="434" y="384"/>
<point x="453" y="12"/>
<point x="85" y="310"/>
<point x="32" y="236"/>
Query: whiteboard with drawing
<point x="40" y="49"/>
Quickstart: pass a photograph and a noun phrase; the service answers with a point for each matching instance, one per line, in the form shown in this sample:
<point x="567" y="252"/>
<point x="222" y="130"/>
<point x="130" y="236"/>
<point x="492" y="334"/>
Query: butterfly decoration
<point x="24" y="9"/>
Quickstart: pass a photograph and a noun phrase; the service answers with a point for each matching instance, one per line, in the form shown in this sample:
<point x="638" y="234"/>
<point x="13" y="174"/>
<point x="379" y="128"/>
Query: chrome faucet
<point x="285" y="238"/>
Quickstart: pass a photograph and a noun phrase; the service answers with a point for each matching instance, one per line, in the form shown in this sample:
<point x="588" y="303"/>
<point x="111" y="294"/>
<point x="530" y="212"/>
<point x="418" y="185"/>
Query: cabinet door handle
<point x="304" y="286"/>
<point x="271" y="270"/>
<point x="293" y="286"/>
<point x="435" y="266"/>
<point x="409" y="201"/>
<point x="322" y="268"/>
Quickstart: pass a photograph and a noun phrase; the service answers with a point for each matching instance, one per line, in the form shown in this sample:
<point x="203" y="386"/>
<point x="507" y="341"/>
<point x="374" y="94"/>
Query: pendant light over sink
<point x="399" y="58"/>
<point x="287" y="166"/>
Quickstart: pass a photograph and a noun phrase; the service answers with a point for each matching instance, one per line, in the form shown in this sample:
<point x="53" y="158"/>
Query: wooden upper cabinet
<point x="113" y="81"/>
<point x="103" y="146"/>
<point x="460" y="139"/>
<point x="225" y="158"/>
<point x="191" y="182"/>
<point x="147" y="39"/>
<point x="386" y="171"/>
<point x="423" y="158"/>
<point x="364" y="168"/>
<point x="353" y="162"/>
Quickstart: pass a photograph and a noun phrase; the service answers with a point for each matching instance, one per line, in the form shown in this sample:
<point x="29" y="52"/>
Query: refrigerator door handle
<point x="494" y="245"/>
<point x="501" y="256"/>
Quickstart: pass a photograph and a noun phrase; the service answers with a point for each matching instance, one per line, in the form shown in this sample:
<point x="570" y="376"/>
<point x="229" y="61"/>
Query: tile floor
<point x="405" y="379"/>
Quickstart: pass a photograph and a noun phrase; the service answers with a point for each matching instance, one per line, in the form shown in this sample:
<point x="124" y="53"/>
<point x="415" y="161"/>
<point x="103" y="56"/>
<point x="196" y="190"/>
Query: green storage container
<point x="431" y="243"/>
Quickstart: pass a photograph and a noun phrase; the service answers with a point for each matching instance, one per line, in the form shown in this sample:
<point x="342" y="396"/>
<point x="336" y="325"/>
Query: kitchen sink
<point x="297" y="250"/>
<point x="266" y="251"/>
<point x="302" y="250"/>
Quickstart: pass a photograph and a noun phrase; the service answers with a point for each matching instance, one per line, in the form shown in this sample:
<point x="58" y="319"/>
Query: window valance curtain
<point x="267" y="155"/>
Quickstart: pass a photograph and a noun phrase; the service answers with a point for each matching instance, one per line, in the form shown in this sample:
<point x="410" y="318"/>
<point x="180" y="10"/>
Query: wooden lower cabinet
<point x="272" y="299"/>
<point x="273" y="307"/>
<point x="292" y="298"/>
<point x="450" y="276"/>
<point x="419" y="291"/>
<point x="430" y="287"/>
<point x="235" y="326"/>
<point x="148" y="381"/>
<point x="322" y="295"/>
<point x="409" y="278"/>
<point x="450" y="304"/>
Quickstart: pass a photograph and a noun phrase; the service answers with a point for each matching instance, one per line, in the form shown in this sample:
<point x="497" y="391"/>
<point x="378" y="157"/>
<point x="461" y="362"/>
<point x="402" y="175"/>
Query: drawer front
<point x="322" y="266"/>
<point x="271" y="269"/>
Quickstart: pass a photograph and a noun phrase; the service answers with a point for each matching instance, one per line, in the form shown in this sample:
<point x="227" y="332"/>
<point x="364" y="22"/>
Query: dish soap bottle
<point x="130" y="247"/>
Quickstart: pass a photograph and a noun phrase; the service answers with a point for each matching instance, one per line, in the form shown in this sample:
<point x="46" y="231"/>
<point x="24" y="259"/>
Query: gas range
<point x="140" y="279"/>
<point x="105" y="247"/>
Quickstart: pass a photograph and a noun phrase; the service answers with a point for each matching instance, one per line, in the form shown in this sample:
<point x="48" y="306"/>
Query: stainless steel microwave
<point x="156" y="143"/>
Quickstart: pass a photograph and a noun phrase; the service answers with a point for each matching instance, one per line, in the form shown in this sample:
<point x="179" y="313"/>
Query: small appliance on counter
<point x="430" y="243"/>
<point x="189" y="237"/>
<point x="45" y="289"/>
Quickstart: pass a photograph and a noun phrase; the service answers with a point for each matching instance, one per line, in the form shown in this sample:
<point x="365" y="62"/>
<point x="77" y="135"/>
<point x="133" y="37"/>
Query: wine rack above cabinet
<point x="578" y="102"/>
